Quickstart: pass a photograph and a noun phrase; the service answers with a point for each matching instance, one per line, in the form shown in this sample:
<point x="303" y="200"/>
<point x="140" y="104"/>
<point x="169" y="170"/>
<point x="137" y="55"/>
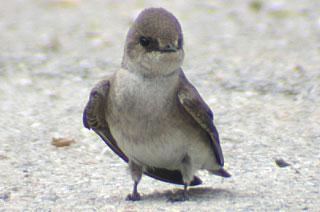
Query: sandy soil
<point x="257" y="64"/>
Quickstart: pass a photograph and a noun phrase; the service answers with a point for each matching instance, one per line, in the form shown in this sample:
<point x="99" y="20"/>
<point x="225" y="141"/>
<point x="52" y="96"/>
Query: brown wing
<point x="193" y="103"/>
<point x="94" y="118"/>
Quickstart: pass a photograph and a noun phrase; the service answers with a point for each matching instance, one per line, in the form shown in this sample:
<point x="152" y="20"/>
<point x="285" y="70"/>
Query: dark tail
<point x="220" y="172"/>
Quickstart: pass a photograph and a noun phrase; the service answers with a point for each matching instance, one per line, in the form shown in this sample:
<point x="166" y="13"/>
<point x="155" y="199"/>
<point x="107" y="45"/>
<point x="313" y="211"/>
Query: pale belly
<point x="151" y="136"/>
<point x="151" y="130"/>
<point x="165" y="149"/>
<point x="161" y="144"/>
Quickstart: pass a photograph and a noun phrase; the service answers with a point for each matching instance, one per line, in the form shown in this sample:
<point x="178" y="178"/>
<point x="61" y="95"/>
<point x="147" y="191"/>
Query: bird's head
<point x="154" y="44"/>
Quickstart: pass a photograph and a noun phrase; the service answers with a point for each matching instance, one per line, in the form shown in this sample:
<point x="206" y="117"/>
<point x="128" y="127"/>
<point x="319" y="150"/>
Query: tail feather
<point x="220" y="172"/>
<point x="170" y="176"/>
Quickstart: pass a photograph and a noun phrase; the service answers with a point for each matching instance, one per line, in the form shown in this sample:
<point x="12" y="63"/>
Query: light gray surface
<point x="258" y="70"/>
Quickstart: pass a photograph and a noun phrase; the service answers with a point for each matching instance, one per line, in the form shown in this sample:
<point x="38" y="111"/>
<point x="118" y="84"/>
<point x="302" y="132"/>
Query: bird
<point x="148" y="112"/>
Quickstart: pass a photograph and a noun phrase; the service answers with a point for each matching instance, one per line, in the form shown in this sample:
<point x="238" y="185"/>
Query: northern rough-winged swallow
<point x="148" y="112"/>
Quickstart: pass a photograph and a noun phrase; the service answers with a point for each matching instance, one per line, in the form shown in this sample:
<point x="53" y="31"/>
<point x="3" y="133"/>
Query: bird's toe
<point x="178" y="197"/>
<point x="133" y="197"/>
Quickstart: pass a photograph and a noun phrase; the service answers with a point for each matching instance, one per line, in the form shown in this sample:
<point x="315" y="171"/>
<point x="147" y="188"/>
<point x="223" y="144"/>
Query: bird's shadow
<point x="195" y="194"/>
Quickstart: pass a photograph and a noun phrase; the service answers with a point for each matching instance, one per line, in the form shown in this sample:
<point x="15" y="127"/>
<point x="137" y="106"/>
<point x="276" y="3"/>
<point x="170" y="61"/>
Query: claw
<point x="133" y="197"/>
<point x="180" y="196"/>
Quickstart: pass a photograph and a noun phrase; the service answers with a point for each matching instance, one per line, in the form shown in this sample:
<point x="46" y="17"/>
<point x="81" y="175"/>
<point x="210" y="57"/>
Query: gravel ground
<point x="257" y="64"/>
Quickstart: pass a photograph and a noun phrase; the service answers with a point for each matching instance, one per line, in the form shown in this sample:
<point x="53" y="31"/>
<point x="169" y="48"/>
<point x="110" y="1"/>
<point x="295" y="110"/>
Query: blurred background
<point x="255" y="62"/>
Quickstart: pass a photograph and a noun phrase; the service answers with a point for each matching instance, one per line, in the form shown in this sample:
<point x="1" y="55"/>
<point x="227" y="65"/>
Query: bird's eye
<point x="144" y="41"/>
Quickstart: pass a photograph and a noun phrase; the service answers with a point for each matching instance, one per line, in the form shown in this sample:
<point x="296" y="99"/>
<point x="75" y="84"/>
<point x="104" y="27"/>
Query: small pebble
<point x="61" y="142"/>
<point x="281" y="163"/>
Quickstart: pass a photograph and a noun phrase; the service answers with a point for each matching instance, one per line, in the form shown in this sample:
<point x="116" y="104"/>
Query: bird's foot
<point x="133" y="197"/>
<point x="178" y="197"/>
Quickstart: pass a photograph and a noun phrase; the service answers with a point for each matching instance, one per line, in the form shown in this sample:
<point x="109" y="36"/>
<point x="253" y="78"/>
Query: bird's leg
<point x="135" y="196"/>
<point x="185" y="192"/>
<point x="187" y="175"/>
<point x="136" y="173"/>
<point x="179" y="196"/>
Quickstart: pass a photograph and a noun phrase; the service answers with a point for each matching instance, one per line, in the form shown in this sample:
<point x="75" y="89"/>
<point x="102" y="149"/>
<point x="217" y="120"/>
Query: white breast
<point x="145" y="120"/>
<point x="136" y="96"/>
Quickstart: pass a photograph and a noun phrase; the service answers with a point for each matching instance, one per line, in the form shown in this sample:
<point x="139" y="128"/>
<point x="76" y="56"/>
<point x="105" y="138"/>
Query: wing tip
<point x="221" y="172"/>
<point x="196" y="181"/>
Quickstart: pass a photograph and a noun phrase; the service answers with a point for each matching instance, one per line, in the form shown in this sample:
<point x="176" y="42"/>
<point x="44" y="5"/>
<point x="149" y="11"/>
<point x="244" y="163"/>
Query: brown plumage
<point x="148" y="112"/>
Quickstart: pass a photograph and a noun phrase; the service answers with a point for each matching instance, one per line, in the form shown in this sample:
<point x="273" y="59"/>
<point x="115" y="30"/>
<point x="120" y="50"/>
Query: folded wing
<point x="193" y="103"/>
<point x="94" y="118"/>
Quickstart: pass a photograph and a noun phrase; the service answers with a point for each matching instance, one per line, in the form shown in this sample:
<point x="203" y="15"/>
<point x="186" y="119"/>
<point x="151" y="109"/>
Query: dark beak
<point x="169" y="49"/>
